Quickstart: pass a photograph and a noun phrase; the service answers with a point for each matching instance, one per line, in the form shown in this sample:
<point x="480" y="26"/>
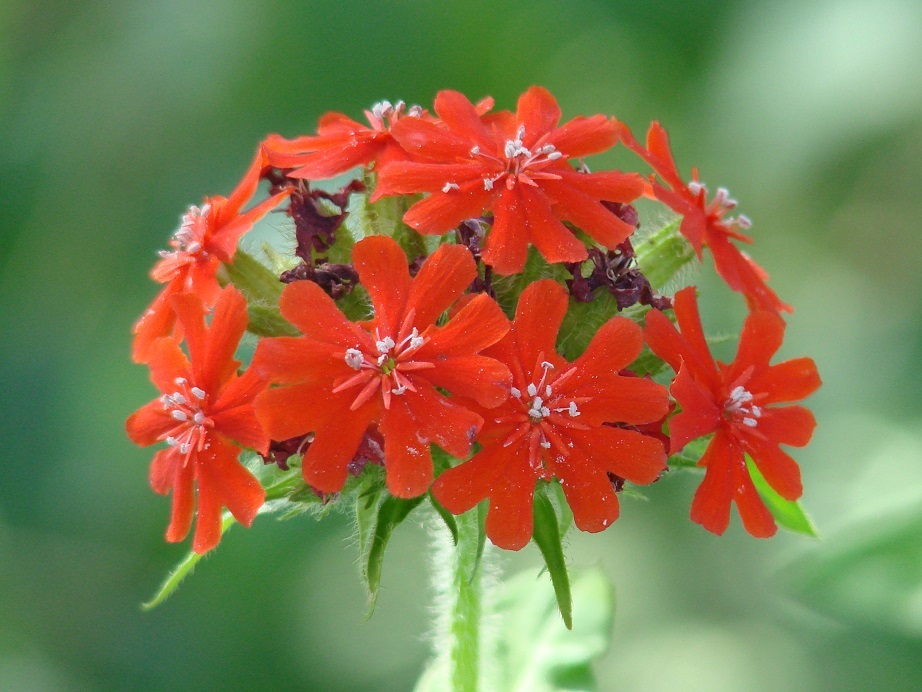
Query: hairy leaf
<point x="547" y="537"/>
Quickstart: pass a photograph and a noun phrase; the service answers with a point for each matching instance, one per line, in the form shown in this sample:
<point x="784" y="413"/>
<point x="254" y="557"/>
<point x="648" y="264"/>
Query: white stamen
<point x="743" y="222"/>
<point x="545" y="411"/>
<point x="448" y="187"/>
<point x="416" y="341"/>
<point x="385" y="345"/>
<point x="546" y="365"/>
<point x="756" y="412"/>
<point x="354" y="358"/>
<point x="399" y="389"/>
<point x="382" y="358"/>
<point x="488" y="184"/>
<point x="554" y="155"/>
<point x="751" y="422"/>
<point x="172" y="441"/>
<point x="695" y="187"/>
<point x="199" y="418"/>
<point x="415" y="111"/>
<point x="573" y="411"/>
<point x="548" y="391"/>
<point x="532" y="390"/>
<point x="545" y="444"/>
<point x="184" y="448"/>
<point x="516" y="392"/>
<point x="180" y="381"/>
<point x="179" y="415"/>
<point x="475" y="151"/>
<point x="198" y="393"/>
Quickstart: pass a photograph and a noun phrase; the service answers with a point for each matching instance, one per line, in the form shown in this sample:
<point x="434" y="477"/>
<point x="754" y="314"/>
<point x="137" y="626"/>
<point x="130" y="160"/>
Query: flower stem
<point x="467" y="609"/>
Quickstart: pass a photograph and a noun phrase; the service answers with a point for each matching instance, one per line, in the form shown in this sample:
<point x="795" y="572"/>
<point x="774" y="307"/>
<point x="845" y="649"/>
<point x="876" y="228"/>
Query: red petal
<point x="163" y="471"/>
<point x="437" y="419"/>
<point x="157" y="322"/>
<point x="240" y="425"/>
<point x="660" y="156"/>
<point x="613" y="399"/>
<point x="778" y="468"/>
<point x="338" y="158"/>
<point x="425" y="139"/>
<point x="510" y="520"/>
<point x="791" y="380"/>
<point x="461" y="117"/>
<point x="787" y="425"/>
<point x="588" y="213"/>
<point x="477" y="325"/>
<point x="697" y="352"/>
<point x="287" y="412"/>
<point x="663" y="339"/>
<point x="384" y="272"/>
<point x="292" y="360"/>
<point x="183" y="506"/>
<point x="482" y="379"/>
<point x="507" y="243"/>
<point x="584" y="136"/>
<point x="443" y="211"/>
<point x="407" y="458"/>
<point x="335" y="444"/>
<point x="245" y="189"/>
<point x="760" y="339"/>
<point x="538" y="316"/>
<point x="149" y="424"/>
<point x="222" y="481"/>
<point x="711" y="505"/>
<point x="310" y="309"/>
<point x="167" y="362"/>
<point x="538" y="111"/>
<point x="554" y="241"/>
<point x="589" y="492"/>
<point x="610" y="186"/>
<point x="615" y="346"/>
<point x="410" y="177"/>
<point x="626" y="453"/>
<point x="699" y="416"/>
<point x="444" y="276"/>
<point x="460" y="488"/>
<point x="757" y="520"/>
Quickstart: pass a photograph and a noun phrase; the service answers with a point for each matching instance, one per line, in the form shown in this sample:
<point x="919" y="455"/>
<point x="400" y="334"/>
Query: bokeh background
<point x="115" y="115"/>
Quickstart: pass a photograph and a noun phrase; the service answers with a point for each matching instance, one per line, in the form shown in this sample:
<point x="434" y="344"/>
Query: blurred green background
<point x="116" y="115"/>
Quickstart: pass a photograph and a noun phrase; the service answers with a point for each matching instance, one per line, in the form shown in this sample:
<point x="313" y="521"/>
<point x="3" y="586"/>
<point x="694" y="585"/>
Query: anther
<point x="385" y="345"/>
<point x="354" y="358"/>
<point x="198" y="393"/>
<point x="179" y="415"/>
<point x="448" y="187"/>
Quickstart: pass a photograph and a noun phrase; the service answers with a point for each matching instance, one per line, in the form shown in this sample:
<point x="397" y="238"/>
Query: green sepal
<point x="509" y="288"/>
<point x="262" y="289"/>
<point x="182" y="570"/>
<point x="391" y="513"/>
<point x="789" y="515"/>
<point x="548" y="538"/>
<point x="447" y="517"/>
<point x="384" y="217"/>
<point x="663" y="256"/>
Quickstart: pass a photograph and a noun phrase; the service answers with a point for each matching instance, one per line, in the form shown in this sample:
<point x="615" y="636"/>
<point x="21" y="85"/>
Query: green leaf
<point x="536" y="653"/>
<point x="789" y="515"/>
<point x="182" y="570"/>
<point x="869" y="574"/>
<point x="447" y="517"/>
<point x="391" y="513"/>
<point x="384" y="217"/>
<point x="547" y="537"/>
<point x="663" y="256"/>
<point x="262" y="288"/>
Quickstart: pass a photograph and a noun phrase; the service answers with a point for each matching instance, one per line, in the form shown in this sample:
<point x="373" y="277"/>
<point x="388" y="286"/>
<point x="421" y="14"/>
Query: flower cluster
<point x="448" y="326"/>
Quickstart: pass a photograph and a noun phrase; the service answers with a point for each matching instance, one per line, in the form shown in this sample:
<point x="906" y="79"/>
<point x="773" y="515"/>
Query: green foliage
<point x="536" y="652"/>
<point x="548" y="538"/>
<point x="183" y="569"/>
<point x="663" y="255"/>
<point x="391" y="513"/>
<point x="262" y="289"/>
<point x="509" y="288"/>
<point x="870" y="575"/>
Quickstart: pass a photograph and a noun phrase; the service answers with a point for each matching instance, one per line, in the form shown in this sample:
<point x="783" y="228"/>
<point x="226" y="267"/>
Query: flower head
<point x="554" y="424"/>
<point x="342" y="378"/>
<point x="736" y="403"/>
<point x="206" y="238"/>
<point x="517" y="167"/>
<point x="205" y="415"/>
<point x="706" y="223"/>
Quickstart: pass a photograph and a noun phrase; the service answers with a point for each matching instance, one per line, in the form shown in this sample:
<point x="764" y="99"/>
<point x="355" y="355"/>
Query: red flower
<point x="207" y="237"/>
<point x="706" y="223"/>
<point x="205" y="416"/>
<point x="553" y="425"/>
<point x="341" y="378"/>
<point x="734" y="402"/>
<point x="516" y="166"/>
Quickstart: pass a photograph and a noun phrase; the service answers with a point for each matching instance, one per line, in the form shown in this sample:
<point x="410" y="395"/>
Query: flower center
<point x="740" y="409"/>
<point x="545" y="412"/>
<point x="387" y="368"/>
<point x="185" y="406"/>
<point x="518" y="163"/>
<point x="384" y="114"/>
<point x="720" y="206"/>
